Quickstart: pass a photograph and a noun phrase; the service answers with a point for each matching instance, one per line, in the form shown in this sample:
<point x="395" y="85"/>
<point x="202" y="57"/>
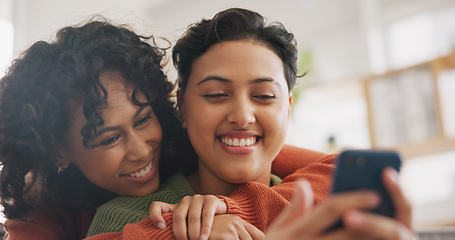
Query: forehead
<point x="239" y="61"/>
<point x="115" y="84"/>
<point x="248" y="58"/>
<point x="118" y="92"/>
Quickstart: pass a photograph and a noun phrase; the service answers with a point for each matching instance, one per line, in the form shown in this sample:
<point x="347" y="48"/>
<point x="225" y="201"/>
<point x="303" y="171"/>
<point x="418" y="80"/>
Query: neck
<point x="204" y="185"/>
<point x="206" y="182"/>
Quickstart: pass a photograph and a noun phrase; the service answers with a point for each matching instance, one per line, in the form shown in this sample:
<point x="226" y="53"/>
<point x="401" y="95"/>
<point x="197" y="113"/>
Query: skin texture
<point x="127" y="143"/>
<point x="237" y="90"/>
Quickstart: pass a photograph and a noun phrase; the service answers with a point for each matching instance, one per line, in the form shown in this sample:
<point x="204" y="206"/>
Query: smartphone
<point x="362" y="170"/>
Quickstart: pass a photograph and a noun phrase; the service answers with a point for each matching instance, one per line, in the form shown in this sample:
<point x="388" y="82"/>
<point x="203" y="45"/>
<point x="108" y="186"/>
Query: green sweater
<point x="113" y="215"/>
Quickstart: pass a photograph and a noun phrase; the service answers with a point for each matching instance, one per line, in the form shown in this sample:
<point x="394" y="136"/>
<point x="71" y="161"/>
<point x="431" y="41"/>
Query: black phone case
<point x="362" y="170"/>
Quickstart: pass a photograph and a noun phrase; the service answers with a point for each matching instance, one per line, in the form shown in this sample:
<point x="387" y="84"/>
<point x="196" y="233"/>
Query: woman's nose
<point x="138" y="149"/>
<point x="241" y="113"/>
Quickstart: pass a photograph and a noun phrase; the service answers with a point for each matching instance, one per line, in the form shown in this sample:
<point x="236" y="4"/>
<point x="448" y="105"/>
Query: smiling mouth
<point x="144" y="171"/>
<point x="238" y="142"/>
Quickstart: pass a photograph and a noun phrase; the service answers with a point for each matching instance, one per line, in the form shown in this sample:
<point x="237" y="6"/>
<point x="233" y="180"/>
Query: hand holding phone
<point x="362" y="170"/>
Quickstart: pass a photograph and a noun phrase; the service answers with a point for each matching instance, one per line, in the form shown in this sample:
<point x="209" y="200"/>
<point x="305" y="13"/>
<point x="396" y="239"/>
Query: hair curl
<point x="36" y="98"/>
<point x="234" y="24"/>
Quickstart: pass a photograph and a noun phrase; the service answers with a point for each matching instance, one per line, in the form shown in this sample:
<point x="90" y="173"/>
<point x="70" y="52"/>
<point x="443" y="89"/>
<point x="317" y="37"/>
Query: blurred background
<point x="381" y="73"/>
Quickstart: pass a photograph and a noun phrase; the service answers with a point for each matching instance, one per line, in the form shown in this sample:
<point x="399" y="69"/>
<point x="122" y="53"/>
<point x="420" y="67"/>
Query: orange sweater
<point x="47" y="222"/>
<point x="248" y="200"/>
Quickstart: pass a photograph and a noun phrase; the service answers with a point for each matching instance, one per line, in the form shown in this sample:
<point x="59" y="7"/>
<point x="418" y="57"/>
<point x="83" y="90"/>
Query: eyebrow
<point x="107" y="129"/>
<point x="254" y="81"/>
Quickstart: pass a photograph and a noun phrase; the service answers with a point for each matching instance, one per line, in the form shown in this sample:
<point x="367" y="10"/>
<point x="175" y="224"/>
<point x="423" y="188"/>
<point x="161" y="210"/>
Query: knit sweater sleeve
<point x="143" y="229"/>
<point x="248" y="200"/>
<point x="292" y="158"/>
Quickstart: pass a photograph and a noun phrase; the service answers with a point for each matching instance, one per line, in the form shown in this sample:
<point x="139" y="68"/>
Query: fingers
<point x="156" y="211"/>
<point x="179" y="216"/>
<point x="228" y="226"/>
<point x="254" y="232"/>
<point x="193" y="216"/>
<point x="301" y="201"/>
<point x="376" y="226"/>
<point x="212" y="205"/>
<point x="243" y="234"/>
<point x="403" y="212"/>
<point x="327" y="213"/>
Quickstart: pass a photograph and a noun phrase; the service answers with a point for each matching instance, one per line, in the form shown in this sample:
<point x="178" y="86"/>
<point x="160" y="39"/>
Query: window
<point x="6" y="45"/>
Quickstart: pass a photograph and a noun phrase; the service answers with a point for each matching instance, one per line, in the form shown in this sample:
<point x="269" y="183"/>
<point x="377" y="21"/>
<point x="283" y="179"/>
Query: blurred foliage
<point x="304" y="65"/>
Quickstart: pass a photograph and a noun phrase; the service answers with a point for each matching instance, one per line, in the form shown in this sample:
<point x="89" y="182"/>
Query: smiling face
<point x="236" y="108"/>
<point x="123" y="156"/>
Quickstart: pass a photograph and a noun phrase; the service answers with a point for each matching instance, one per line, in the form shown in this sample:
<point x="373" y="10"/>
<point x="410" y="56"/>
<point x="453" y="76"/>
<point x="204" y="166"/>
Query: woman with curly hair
<point x="83" y="119"/>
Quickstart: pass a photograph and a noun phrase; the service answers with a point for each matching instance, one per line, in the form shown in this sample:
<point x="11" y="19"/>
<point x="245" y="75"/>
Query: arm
<point x="248" y="202"/>
<point x="143" y="229"/>
<point x="292" y="158"/>
<point x="301" y="220"/>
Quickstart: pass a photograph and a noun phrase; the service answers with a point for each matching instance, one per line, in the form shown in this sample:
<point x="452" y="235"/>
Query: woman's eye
<point x="143" y="120"/>
<point x="217" y="95"/>
<point x="265" y="98"/>
<point x="110" y="140"/>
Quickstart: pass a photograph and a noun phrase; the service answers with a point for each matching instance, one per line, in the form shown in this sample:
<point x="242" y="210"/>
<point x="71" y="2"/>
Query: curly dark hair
<point x="36" y="98"/>
<point x="234" y="24"/>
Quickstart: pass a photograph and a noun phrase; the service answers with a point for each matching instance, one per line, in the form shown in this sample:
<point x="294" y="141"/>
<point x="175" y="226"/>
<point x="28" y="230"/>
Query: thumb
<point x="301" y="202"/>
<point x="303" y="197"/>
<point x="156" y="211"/>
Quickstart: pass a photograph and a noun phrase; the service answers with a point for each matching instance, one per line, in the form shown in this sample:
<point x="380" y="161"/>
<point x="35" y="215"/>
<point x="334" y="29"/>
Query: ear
<point x="290" y="103"/>
<point x="62" y="159"/>
<point x="181" y="105"/>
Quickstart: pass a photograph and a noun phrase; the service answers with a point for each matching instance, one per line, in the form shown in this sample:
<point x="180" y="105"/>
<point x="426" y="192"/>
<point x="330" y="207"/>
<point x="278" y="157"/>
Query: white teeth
<point x="142" y="172"/>
<point x="236" y="142"/>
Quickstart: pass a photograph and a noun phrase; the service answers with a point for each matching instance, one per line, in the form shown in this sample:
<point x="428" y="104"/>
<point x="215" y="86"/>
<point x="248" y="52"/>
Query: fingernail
<point x="161" y="225"/>
<point x="393" y="175"/>
<point x="356" y="218"/>
<point x="203" y="237"/>
<point x="373" y="198"/>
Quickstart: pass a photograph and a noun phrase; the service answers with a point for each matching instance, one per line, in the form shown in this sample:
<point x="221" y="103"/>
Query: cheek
<point x="202" y="118"/>
<point x="155" y="132"/>
<point x="95" y="164"/>
<point x="275" y="121"/>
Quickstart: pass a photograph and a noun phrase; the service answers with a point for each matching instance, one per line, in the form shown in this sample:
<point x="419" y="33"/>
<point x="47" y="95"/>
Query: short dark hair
<point x="234" y="24"/>
<point x="36" y="98"/>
